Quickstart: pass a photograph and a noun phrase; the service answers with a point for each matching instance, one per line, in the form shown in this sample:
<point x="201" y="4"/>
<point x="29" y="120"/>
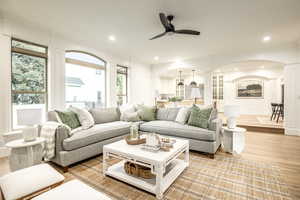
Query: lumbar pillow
<point x="146" y="113"/>
<point x="68" y="118"/>
<point x="183" y="115"/>
<point x="131" y="117"/>
<point x="85" y="118"/>
<point x="199" y="118"/>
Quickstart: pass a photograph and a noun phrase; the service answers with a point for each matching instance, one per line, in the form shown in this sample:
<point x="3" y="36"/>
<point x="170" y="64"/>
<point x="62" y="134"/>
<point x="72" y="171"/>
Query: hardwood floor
<point x="278" y="150"/>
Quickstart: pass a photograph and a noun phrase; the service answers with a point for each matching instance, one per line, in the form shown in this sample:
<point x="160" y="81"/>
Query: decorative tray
<point x="150" y="148"/>
<point x="135" y="142"/>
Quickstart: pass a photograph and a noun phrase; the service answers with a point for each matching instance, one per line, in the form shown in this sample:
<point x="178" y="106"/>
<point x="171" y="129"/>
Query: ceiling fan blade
<point x="164" y="21"/>
<point x="158" y="36"/>
<point x="190" y="32"/>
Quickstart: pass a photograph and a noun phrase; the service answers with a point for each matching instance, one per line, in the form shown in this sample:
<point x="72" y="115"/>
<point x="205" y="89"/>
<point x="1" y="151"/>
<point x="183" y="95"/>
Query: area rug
<point x="225" y="177"/>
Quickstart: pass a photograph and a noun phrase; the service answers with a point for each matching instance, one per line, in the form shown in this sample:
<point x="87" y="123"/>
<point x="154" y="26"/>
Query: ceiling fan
<point x="170" y="28"/>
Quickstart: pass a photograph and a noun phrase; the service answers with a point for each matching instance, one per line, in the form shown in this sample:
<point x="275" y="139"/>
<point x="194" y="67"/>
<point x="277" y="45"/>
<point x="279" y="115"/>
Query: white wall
<point x="139" y="73"/>
<point x="258" y="106"/>
<point x="292" y="100"/>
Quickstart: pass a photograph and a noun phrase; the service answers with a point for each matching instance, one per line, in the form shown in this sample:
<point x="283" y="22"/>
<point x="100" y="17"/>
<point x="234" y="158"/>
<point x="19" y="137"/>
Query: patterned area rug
<point x="225" y="177"/>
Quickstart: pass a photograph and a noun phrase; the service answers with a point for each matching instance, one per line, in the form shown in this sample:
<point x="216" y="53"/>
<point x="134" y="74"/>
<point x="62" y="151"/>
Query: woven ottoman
<point x="29" y="181"/>
<point x="74" y="189"/>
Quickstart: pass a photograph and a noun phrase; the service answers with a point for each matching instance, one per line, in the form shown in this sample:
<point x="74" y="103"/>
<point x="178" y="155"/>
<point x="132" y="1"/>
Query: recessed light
<point x="262" y="67"/>
<point x="266" y="38"/>
<point x="156" y="58"/>
<point x="112" y="38"/>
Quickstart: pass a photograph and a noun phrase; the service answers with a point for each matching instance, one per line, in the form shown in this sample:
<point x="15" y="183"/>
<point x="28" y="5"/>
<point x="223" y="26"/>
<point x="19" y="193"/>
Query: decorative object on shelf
<point x="135" y="142"/>
<point x="231" y="112"/>
<point x="175" y="101"/>
<point x="29" y="118"/>
<point x="193" y="83"/>
<point x="180" y="83"/>
<point x="195" y="94"/>
<point x="138" y="170"/>
<point x="250" y="88"/>
<point x="134" y="132"/>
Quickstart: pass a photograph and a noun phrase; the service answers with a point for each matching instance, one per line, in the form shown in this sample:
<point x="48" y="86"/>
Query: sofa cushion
<point x="199" y="117"/>
<point x="167" y="114"/>
<point x="104" y="115"/>
<point x="97" y="133"/>
<point x="146" y="113"/>
<point x="178" y="130"/>
<point x="183" y="115"/>
<point x="68" y="118"/>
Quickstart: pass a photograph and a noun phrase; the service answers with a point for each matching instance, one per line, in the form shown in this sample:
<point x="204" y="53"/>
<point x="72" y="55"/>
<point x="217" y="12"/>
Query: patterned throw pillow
<point x="146" y="113"/>
<point x="69" y="118"/>
<point x="199" y="117"/>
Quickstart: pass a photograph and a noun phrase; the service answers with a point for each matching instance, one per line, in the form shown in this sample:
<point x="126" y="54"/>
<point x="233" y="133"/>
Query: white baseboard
<point x="292" y="131"/>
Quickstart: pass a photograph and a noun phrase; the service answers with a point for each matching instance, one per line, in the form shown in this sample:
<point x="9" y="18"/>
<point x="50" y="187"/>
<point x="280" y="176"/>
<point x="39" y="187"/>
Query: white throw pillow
<point x="183" y="115"/>
<point x="128" y="108"/>
<point x="131" y="117"/>
<point x="85" y="117"/>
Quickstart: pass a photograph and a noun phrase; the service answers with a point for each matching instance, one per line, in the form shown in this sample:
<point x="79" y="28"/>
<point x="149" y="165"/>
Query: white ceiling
<point x="233" y="67"/>
<point x="226" y="26"/>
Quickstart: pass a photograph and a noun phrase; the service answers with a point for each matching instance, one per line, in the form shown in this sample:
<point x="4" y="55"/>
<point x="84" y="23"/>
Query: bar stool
<point x="280" y="112"/>
<point x="274" y="110"/>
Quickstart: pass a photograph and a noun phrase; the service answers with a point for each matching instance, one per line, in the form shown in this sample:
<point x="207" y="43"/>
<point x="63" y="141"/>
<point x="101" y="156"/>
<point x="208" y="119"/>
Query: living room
<point x="201" y="97"/>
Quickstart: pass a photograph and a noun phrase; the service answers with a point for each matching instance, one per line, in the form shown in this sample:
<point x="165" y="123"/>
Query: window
<point x="122" y="85"/>
<point x="85" y="80"/>
<point x="28" y="77"/>
<point x="217" y="83"/>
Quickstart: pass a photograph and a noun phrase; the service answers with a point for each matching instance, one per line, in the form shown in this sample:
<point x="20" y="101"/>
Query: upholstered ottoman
<point x="29" y="181"/>
<point x="74" y="189"/>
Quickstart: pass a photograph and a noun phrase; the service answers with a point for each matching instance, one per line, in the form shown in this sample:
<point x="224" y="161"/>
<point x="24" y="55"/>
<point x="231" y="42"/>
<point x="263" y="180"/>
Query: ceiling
<point x="226" y="26"/>
<point x="233" y="67"/>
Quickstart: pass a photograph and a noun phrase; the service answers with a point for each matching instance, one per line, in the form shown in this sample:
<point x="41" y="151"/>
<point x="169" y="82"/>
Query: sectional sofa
<point x="109" y="128"/>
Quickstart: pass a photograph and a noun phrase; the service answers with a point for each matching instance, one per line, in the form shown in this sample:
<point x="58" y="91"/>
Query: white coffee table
<point x="165" y="165"/>
<point x="25" y="154"/>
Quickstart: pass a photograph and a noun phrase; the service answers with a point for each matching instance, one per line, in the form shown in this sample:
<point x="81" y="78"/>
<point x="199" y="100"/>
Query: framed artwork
<point x="250" y="88"/>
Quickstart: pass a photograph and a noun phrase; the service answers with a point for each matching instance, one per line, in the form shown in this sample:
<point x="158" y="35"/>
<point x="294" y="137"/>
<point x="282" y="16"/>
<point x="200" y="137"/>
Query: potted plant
<point x="175" y="100"/>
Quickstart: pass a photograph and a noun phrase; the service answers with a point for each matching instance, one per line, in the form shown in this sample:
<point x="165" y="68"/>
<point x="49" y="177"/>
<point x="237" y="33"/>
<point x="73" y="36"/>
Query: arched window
<point x="85" y="80"/>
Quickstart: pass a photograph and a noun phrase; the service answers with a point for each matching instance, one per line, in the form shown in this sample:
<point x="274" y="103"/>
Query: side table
<point x="25" y="154"/>
<point x="233" y="140"/>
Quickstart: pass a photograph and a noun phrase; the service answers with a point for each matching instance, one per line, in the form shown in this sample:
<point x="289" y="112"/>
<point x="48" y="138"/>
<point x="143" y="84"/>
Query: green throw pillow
<point x="199" y="118"/>
<point x="146" y="113"/>
<point x="69" y="118"/>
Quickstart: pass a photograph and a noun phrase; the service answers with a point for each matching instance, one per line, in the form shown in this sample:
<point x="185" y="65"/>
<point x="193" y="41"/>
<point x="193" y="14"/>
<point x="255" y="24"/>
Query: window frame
<point x="126" y="74"/>
<point x="90" y="65"/>
<point x="28" y="52"/>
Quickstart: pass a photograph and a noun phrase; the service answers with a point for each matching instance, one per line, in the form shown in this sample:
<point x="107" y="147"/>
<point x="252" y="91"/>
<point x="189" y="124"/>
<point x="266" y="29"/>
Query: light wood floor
<point x="279" y="150"/>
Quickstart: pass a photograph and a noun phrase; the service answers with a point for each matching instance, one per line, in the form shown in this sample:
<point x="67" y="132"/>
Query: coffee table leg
<point x="104" y="164"/>
<point x="159" y="179"/>
<point x="187" y="155"/>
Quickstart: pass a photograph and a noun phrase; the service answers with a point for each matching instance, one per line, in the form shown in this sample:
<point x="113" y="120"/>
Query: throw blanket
<point x="48" y="132"/>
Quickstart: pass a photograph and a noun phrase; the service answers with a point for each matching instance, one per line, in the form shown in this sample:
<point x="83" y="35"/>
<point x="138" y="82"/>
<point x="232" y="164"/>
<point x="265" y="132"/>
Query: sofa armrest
<point x="216" y="125"/>
<point x="62" y="132"/>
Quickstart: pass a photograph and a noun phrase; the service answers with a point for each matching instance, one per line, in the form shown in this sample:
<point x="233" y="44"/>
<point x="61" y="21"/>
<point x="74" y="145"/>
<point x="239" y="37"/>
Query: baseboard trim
<point x="292" y="131"/>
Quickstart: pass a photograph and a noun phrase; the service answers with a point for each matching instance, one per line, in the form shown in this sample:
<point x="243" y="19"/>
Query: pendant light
<point x="180" y="83"/>
<point x="193" y="83"/>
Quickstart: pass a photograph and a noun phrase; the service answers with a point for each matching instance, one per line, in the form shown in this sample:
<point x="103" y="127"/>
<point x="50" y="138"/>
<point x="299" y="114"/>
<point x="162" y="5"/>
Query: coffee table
<point x="166" y="166"/>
